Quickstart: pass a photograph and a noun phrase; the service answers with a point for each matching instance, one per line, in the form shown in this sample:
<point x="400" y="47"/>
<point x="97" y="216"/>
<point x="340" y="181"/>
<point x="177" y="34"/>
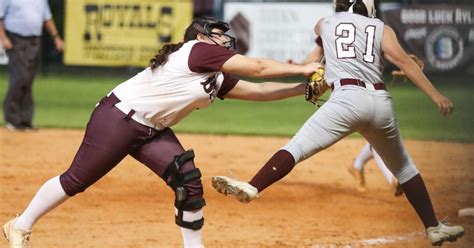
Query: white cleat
<point x="243" y="191"/>
<point x="17" y="238"/>
<point x="438" y="234"/>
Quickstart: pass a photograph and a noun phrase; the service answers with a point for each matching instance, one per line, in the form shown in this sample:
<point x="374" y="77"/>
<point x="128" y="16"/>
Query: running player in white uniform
<point x="353" y="46"/>
<point x="135" y="119"/>
<point x="356" y="169"/>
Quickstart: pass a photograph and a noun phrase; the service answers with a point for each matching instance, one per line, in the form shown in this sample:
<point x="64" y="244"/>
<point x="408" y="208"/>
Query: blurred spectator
<point x="203" y="8"/>
<point x="219" y="9"/>
<point x="21" y="27"/>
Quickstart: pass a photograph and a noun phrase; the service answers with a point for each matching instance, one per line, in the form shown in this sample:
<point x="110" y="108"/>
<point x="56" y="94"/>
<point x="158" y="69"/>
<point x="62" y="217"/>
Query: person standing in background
<point x="203" y="8"/>
<point x="21" y="27"/>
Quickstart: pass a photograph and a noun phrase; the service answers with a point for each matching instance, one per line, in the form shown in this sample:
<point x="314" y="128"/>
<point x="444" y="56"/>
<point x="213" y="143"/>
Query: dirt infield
<point x="315" y="206"/>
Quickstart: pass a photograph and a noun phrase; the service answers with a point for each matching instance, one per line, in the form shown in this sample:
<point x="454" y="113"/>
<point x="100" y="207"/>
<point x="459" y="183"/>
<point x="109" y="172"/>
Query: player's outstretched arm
<point x="265" y="68"/>
<point x="394" y="53"/>
<point x="266" y="91"/>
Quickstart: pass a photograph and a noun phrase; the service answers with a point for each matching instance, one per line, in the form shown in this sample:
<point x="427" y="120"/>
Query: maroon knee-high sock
<point x="279" y="165"/>
<point x="417" y="195"/>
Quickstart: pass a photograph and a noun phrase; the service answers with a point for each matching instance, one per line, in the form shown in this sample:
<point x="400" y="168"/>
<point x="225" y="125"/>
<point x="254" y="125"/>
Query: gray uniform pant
<point x="355" y="109"/>
<point x="18" y="105"/>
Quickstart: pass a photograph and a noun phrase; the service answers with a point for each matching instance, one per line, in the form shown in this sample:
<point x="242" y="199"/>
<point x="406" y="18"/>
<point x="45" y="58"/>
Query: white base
<point x="466" y="212"/>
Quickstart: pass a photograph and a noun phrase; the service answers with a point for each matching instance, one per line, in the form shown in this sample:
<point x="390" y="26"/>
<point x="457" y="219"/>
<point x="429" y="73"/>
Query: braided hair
<point x="190" y="34"/>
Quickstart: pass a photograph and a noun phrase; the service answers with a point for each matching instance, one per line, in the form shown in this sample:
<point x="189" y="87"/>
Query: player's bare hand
<point x="445" y="105"/>
<point x="311" y="68"/>
<point x="7" y="44"/>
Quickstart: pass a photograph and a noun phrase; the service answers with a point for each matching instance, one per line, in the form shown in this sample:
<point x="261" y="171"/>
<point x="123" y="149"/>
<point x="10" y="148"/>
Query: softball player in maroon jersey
<point x="135" y="118"/>
<point x="354" y="44"/>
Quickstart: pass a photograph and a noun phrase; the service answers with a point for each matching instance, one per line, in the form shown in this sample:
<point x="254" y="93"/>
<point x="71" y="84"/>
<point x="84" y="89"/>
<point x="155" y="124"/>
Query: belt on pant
<point x="130" y="113"/>
<point x="11" y="34"/>
<point x="113" y="99"/>
<point x="357" y="82"/>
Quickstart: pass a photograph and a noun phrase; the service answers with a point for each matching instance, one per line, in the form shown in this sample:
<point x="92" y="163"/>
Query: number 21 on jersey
<point x="345" y="33"/>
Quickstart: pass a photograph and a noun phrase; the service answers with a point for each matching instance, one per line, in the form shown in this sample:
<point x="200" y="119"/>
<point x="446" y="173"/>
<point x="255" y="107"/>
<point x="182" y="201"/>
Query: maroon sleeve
<point x="227" y="85"/>
<point x="319" y="41"/>
<point x="208" y="58"/>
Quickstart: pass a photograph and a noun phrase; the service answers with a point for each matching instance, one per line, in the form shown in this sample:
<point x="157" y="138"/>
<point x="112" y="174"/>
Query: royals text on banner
<point x="122" y="32"/>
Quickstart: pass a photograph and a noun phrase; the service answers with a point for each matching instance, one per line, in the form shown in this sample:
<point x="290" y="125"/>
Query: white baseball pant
<point x="355" y="109"/>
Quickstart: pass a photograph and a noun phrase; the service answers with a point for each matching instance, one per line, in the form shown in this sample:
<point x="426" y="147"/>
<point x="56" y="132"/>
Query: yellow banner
<point x="122" y="32"/>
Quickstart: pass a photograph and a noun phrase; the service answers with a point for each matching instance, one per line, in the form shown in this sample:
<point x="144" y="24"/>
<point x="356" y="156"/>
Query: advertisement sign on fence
<point x="442" y="35"/>
<point x="281" y="31"/>
<point x="122" y="33"/>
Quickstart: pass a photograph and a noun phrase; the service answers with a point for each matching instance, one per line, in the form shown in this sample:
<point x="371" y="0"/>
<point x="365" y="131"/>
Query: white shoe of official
<point x="243" y="191"/>
<point x="17" y="238"/>
<point x="438" y="234"/>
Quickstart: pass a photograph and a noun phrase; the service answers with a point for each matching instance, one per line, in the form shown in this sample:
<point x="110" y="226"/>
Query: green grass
<point x="66" y="101"/>
<point x="419" y="118"/>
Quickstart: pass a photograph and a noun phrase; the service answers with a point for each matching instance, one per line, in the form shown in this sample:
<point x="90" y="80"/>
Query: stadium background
<point x="317" y="205"/>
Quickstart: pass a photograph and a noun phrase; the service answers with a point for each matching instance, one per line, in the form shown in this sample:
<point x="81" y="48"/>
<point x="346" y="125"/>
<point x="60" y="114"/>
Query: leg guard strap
<point x="184" y="178"/>
<point x="189" y="206"/>
<point x="194" y="225"/>
<point x="177" y="162"/>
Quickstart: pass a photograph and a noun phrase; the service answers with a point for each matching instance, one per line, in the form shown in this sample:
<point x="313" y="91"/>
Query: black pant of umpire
<point x="23" y="59"/>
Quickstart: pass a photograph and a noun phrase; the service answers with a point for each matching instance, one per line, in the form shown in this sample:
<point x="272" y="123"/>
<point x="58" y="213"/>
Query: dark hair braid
<point x="162" y="56"/>
<point x="191" y="33"/>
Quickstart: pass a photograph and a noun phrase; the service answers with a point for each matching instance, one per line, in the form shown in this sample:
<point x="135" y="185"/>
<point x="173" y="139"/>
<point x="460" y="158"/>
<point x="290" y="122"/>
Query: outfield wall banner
<point x="122" y="32"/>
<point x="281" y="31"/>
<point x="442" y="35"/>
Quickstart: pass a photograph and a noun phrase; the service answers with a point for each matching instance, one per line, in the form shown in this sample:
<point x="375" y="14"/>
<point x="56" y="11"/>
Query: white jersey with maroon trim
<point x="352" y="47"/>
<point x="189" y="80"/>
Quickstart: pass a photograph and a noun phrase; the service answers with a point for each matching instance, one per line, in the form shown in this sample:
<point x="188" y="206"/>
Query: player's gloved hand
<point x="418" y="61"/>
<point x="316" y="86"/>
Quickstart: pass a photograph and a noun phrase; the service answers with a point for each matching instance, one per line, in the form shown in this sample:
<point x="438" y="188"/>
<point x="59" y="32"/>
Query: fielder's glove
<point x="399" y="73"/>
<point x="316" y="86"/>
